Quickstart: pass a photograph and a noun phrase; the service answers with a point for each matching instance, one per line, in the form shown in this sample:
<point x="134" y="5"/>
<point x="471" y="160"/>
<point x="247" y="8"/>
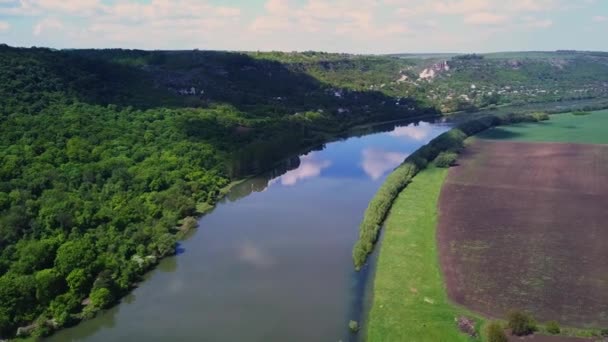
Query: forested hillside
<point x="104" y="153"/>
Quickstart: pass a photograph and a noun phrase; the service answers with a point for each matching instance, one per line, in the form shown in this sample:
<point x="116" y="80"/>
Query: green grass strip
<point x="409" y="298"/>
<point x="564" y="128"/>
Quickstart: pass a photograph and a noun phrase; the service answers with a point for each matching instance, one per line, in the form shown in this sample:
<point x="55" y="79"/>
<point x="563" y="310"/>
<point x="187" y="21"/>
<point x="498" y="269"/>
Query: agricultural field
<point x="569" y="128"/>
<point x="410" y="302"/>
<point x="522" y="224"/>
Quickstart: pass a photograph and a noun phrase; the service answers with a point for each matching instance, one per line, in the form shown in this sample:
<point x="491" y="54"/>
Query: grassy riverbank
<point x="410" y="301"/>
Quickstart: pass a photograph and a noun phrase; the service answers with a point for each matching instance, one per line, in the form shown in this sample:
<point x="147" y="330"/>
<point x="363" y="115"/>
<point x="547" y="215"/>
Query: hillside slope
<point x="105" y="155"/>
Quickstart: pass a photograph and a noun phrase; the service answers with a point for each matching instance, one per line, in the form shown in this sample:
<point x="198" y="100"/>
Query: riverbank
<point x="409" y="298"/>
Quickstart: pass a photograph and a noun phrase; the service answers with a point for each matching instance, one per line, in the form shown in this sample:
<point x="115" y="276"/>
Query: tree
<point x="446" y="159"/>
<point x="49" y="284"/>
<point x="78" y="253"/>
<point x="521" y="323"/>
<point x="17" y="300"/>
<point x="165" y="245"/>
<point x="495" y="332"/>
<point x="101" y="298"/>
<point x="34" y="255"/>
<point x="63" y="306"/>
<point x="78" y="281"/>
<point x="553" y="327"/>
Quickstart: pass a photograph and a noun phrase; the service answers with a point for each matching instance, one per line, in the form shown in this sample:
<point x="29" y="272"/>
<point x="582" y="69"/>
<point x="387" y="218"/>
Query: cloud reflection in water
<point x="412" y="131"/>
<point x="310" y="167"/>
<point x="254" y="256"/>
<point x="377" y="162"/>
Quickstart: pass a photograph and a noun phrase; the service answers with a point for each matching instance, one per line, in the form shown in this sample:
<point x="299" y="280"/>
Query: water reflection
<point x="416" y="131"/>
<point x="260" y="182"/>
<point x="377" y="162"/>
<point x="253" y="255"/>
<point x="310" y="167"/>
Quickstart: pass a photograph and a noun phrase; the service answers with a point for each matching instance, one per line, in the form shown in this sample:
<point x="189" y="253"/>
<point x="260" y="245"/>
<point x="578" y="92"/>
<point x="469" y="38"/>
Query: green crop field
<point x="586" y="129"/>
<point x="410" y="301"/>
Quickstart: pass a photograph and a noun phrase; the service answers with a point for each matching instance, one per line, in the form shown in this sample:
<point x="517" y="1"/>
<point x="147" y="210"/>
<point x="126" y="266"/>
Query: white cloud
<point x="47" y="24"/>
<point x="277" y="6"/>
<point x="545" y="23"/>
<point x="485" y="18"/>
<point x="4" y="26"/>
<point x="78" y="7"/>
<point x="461" y="6"/>
<point x="599" y="19"/>
<point x="337" y="20"/>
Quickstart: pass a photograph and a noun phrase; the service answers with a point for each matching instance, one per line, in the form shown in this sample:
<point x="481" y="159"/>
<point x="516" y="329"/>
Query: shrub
<point x="553" y="327"/>
<point x="189" y="223"/>
<point x="353" y="326"/>
<point x="467" y="326"/>
<point x="604" y="332"/>
<point x="101" y="298"/>
<point x="580" y="113"/>
<point x="495" y="332"/>
<point x="540" y="116"/>
<point x="521" y="323"/>
<point x="445" y="159"/>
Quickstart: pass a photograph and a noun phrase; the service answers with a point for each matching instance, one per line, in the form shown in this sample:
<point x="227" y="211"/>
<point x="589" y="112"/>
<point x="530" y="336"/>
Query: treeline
<point x="451" y="141"/>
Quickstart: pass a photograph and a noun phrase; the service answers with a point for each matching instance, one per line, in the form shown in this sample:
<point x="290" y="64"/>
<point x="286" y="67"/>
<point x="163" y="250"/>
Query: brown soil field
<point x="525" y="226"/>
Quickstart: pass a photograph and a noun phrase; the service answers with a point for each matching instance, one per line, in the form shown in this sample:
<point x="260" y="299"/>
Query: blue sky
<point x="357" y="26"/>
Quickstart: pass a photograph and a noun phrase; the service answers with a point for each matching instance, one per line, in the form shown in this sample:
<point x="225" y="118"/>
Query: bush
<point x="540" y="116"/>
<point x="553" y="327"/>
<point x="446" y="159"/>
<point x="495" y="332"/>
<point x="604" y="332"/>
<point x="353" y="326"/>
<point x="101" y="298"/>
<point x="189" y="223"/>
<point x="521" y="323"/>
<point x="581" y="113"/>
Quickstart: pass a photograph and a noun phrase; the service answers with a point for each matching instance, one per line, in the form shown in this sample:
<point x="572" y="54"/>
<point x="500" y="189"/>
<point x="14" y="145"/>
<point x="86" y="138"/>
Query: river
<point x="272" y="262"/>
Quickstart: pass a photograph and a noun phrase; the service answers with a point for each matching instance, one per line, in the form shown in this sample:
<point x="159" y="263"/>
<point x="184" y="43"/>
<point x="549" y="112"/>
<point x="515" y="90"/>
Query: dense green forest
<point x="103" y="156"/>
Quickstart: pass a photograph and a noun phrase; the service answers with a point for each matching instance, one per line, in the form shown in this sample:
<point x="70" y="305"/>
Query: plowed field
<point x="525" y="226"/>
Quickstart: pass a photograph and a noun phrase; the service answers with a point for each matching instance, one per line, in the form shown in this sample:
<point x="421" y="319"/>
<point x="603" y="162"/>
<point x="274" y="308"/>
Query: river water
<point x="272" y="262"/>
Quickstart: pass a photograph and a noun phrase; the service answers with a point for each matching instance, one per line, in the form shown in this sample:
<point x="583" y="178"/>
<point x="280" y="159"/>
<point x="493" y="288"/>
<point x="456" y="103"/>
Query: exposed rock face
<point x="434" y="70"/>
<point x="26" y="331"/>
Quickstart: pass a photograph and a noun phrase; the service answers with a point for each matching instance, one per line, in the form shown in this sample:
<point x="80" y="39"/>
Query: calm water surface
<point x="273" y="261"/>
